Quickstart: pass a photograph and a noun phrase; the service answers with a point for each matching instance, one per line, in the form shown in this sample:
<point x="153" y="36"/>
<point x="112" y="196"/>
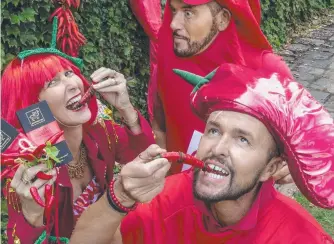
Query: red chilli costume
<point x="242" y="43"/>
<point x="302" y="129"/>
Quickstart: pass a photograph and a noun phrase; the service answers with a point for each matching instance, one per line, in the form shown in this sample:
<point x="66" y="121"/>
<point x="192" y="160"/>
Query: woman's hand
<point x="23" y="180"/>
<point x="112" y="86"/>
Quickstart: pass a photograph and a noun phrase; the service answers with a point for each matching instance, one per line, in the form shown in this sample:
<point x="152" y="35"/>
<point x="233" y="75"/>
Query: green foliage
<point x="324" y="217"/>
<point x="281" y="16"/>
<point x="114" y="38"/>
<point x="4" y="220"/>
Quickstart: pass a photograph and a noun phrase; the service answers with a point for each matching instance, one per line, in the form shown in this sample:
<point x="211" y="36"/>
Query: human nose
<point x="177" y="22"/>
<point x="71" y="85"/>
<point x="222" y="147"/>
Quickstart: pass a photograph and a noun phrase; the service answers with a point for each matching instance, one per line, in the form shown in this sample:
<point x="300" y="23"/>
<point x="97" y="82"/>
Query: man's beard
<point x="196" y="46"/>
<point x="233" y="192"/>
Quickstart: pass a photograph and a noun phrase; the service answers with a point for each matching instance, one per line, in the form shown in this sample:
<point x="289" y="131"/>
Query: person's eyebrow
<point x="239" y="131"/>
<point x="187" y="6"/>
<point x="213" y="123"/>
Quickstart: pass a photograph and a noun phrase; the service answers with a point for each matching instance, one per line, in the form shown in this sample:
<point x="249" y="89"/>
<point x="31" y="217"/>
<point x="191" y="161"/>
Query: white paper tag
<point x="193" y="145"/>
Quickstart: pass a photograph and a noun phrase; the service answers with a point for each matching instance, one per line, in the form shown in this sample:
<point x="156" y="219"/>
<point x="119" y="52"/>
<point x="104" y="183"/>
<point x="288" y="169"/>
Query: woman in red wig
<point x="95" y="142"/>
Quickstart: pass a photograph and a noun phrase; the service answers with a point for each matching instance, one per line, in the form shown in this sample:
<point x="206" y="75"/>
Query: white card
<point x="193" y="145"/>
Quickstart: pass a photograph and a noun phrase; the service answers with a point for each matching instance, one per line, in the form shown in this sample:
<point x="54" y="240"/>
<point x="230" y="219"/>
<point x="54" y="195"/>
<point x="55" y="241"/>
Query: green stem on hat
<point x="211" y="74"/>
<point x="190" y="77"/>
<point x="54" y="32"/>
<point x="52" y="50"/>
<point x="193" y="79"/>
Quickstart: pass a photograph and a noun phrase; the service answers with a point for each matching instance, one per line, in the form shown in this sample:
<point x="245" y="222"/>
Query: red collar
<point x="97" y="164"/>
<point x="249" y="221"/>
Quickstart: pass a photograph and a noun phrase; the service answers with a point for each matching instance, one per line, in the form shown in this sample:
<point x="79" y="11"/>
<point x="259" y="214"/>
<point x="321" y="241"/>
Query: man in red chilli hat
<point x="255" y="120"/>
<point x="198" y="36"/>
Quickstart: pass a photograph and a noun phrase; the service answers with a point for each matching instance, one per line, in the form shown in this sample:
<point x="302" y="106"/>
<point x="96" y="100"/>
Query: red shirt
<point x="174" y="216"/>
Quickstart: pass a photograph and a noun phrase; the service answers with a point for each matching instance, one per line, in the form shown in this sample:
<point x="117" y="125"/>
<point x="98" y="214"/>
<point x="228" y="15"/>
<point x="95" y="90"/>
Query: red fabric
<point x="174" y="217"/>
<point x="234" y="45"/>
<point x="89" y="196"/>
<point x="148" y="13"/>
<point x="101" y="160"/>
<point x="303" y="129"/>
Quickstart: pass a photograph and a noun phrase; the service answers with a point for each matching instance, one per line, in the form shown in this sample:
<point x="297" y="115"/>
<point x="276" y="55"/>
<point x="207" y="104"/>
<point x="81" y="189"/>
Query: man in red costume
<point x="199" y="36"/>
<point x="254" y="121"/>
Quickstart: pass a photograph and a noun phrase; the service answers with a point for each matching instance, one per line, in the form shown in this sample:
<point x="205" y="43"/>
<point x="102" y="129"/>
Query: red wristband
<point x="115" y="200"/>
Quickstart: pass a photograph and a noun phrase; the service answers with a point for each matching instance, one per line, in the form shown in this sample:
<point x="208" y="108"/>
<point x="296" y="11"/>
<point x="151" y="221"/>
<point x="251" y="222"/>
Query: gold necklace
<point x="77" y="171"/>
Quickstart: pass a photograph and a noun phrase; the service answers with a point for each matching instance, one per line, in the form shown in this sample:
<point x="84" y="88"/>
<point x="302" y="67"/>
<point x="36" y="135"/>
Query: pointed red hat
<point x="301" y="126"/>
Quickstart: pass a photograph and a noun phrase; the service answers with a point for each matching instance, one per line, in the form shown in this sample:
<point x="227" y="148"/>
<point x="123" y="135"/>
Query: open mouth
<point x="216" y="172"/>
<point x="73" y="104"/>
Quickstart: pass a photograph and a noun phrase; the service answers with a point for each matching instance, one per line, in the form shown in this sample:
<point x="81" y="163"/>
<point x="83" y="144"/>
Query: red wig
<point x="23" y="80"/>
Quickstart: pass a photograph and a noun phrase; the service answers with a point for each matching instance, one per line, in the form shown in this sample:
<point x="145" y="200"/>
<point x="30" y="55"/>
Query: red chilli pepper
<point x="39" y="150"/>
<point x="8" y="162"/>
<point x="180" y="157"/>
<point x="36" y="196"/>
<point x="43" y="176"/>
<point x="27" y="156"/>
<point x="5" y="172"/>
<point x="9" y="155"/>
<point x="53" y="139"/>
<point x="85" y="98"/>
<point x="8" y="170"/>
<point x="50" y="202"/>
<point x="49" y="199"/>
<point x="48" y="195"/>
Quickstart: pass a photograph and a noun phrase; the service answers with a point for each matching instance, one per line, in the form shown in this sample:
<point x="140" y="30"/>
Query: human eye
<point x="51" y="83"/>
<point x="244" y="140"/>
<point x="68" y="73"/>
<point x="188" y="14"/>
<point x="213" y="131"/>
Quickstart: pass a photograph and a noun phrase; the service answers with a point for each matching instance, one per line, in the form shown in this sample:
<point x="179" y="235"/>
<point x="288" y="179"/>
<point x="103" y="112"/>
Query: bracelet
<point x="115" y="204"/>
<point x="132" y="124"/>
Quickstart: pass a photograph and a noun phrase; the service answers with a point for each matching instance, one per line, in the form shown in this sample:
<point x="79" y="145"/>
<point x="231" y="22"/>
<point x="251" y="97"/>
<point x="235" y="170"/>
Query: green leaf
<point x="14" y="19"/>
<point x="28" y="14"/>
<point x="15" y="31"/>
<point x="15" y="2"/>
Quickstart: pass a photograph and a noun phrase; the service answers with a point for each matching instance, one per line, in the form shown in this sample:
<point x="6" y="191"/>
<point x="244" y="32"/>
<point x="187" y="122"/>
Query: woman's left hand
<point x="112" y="86"/>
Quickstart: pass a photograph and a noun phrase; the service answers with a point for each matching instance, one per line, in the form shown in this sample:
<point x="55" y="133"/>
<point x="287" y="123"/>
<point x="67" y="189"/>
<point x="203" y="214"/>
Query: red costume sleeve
<point x="129" y="145"/>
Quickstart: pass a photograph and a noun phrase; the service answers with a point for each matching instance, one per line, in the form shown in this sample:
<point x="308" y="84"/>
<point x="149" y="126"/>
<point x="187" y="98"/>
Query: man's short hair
<point x="214" y="7"/>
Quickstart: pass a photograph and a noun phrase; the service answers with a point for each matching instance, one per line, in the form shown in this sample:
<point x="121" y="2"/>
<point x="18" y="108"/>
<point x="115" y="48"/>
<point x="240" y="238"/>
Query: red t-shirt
<point x="176" y="217"/>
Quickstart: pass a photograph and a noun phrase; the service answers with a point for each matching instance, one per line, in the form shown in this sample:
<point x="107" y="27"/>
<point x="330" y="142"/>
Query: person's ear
<point x="223" y="19"/>
<point x="274" y="165"/>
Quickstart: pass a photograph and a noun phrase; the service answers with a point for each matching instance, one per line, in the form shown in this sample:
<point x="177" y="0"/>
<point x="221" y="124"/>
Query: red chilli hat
<point x="302" y="127"/>
<point x="247" y="14"/>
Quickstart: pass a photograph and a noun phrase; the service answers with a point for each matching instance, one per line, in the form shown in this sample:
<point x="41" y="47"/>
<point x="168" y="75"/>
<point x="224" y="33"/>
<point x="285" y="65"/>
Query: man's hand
<point x="142" y="179"/>
<point x="283" y="175"/>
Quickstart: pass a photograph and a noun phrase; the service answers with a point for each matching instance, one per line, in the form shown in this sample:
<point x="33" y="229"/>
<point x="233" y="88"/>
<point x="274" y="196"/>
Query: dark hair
<point x="214" y="7"/>
<point x="274" y="152"/>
